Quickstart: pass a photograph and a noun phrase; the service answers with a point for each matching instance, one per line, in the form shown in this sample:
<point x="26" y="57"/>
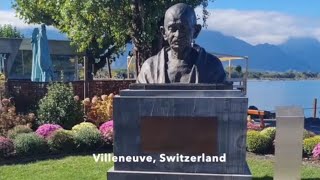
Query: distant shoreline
<point x="283" y="79"/>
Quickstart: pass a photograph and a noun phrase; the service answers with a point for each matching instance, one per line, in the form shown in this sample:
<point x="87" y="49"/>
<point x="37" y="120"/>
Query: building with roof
<point x="16" y="58"/>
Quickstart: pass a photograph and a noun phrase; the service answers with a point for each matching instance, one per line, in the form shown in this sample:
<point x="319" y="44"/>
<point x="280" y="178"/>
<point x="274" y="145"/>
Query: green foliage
<point x="309" y="144"/>
<point x="257" y="143"/>
<point x="269" y="132"/>
<point x="96" y="25"/>
<point x="284" y="75"/>
<point x="62" y="141"/>
<point x="308" y="134"/>
<point x="30" y="144"/>
<point x="2" y="77"/>
<point x="88" y="139"/>
<point x="84" y="125"/>
<point x="238" y="69"/>
<point x="8" y="31"/>
<point x="119" y="73"/>
<point x="60" y="107"/>
<point x="19" y="129"/>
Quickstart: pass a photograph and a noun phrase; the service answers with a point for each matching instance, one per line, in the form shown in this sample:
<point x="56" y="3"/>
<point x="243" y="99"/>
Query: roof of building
<point x="61" y="47"/>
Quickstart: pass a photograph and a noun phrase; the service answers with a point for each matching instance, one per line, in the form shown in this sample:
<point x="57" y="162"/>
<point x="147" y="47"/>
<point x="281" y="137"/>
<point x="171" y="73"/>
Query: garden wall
<point x="26" y="93"/>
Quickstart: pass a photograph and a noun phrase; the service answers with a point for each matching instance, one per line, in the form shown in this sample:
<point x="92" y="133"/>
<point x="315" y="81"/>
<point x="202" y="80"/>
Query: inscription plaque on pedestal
<point x="184" y="135"/>
<point x="186" y="122"/>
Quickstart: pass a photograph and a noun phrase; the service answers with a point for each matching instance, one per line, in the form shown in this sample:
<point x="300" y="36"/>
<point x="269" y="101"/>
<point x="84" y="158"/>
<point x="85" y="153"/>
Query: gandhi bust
<point x="182" y="61"/>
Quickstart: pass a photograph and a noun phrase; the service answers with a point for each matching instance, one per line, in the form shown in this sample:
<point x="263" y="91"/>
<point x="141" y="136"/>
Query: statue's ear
<point x="163" y="32"/>
<point x="197" y="29"/>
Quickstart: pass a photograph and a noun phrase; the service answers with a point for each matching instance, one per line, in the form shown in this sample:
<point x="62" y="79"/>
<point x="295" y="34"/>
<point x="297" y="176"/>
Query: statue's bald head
<point x="180" y="26"/>
<point x="180" y="11"/>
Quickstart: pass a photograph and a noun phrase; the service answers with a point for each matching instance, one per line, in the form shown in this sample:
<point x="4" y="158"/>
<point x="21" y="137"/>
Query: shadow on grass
<point x="50" y="156"/>
<point x="263" y="178"/>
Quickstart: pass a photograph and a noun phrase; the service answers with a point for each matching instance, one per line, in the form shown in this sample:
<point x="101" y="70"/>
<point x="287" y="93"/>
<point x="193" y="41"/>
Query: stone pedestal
<point x="175" y="122"/>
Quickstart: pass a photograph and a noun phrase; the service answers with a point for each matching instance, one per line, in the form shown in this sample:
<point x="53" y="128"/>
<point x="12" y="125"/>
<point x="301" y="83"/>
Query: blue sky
<point x="254" y="21"/>
<point x="5" y="5"/>
<point x="309" y="8"/>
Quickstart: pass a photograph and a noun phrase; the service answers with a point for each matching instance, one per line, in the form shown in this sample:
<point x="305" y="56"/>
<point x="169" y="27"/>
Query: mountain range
<point x="300" y="54"/>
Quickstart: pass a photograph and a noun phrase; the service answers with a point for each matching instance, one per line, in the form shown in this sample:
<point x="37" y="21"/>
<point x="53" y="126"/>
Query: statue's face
<point x="179" y="28"/>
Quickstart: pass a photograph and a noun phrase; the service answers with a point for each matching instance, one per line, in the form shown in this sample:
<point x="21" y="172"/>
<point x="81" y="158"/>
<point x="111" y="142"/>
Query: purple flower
<point x="46" y="130"/>
<point x="106" y="129"/>
<point x="316" y="151"/>
<point x="252" y="126"/>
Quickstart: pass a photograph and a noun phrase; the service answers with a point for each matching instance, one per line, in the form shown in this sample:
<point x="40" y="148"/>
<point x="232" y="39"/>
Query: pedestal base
<point x="146" y="175"/>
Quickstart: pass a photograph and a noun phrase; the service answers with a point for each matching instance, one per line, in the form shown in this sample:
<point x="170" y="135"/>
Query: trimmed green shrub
<point x="257" y="143"/>
<point x="309" y="144"/>
<point x="6" y="147"/>
<point x="19" y="129"/>
<point x="60" y="107"/>
<point x="88" y="139"/>
<point x="62" y="141"/>
<point x="270" y="132"/>
<point x="84" y="125"/>
<point x="308" y="134"/>
<point x="30" y="144"/>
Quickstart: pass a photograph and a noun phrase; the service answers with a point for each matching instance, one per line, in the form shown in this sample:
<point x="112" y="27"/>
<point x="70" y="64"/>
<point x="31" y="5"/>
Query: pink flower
<point x="252" y="126"/>
<point x="106" y="129"/>
<point x="5" y="102"/>
<point x="94" y="100"/>
<point x="76" y="98"/>
<point x="104" y="97"/>
<point x="6" y="146"/>
<point x="31" y="116"/>
<point x="86" y="102"/>
<point x="46" y="130"/>
<point x="316" y="151"/>
<point x="12" y="110"/>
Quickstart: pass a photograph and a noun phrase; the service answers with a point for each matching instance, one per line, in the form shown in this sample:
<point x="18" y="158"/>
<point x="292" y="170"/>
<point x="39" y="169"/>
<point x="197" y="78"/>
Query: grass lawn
<point x="84" y="167"/>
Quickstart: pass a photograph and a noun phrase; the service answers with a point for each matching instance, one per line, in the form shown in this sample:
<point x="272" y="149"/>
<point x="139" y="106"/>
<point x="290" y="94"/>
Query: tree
<point x="59" y="106"/>
<point x="102" y="28"/>
<point x="238" y="69"/>
<point x="8" y="31"/>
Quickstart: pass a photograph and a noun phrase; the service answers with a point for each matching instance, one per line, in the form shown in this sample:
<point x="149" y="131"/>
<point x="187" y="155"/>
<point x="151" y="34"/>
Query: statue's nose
<point x="178" y="34"/>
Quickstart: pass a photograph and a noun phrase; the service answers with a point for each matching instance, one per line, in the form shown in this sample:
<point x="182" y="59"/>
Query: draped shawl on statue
<point x="207" y="69"/>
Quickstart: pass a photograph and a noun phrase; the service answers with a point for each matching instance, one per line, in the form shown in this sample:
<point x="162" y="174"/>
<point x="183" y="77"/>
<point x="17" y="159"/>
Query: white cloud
<point x="257" y="27"/>
<point x="9" y="17"/>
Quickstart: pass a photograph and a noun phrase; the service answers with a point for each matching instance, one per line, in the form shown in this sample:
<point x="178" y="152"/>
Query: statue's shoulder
<point x="212" y="67"/>
<point x="210" y="59"/>
<point x="148" y="69"/>
<point x="151" y="61"/>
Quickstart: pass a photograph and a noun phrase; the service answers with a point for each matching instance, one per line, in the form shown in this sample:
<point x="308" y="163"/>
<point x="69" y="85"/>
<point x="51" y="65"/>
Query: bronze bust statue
<point x="182" y="61"/>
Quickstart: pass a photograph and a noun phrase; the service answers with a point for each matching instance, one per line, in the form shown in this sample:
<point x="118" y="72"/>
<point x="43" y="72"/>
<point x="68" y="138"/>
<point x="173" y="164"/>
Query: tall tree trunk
<point x="137" y="28"/>
<point x="137" y="62"/>
<point x="109" y="68"/>
<point x="89" y="66"/>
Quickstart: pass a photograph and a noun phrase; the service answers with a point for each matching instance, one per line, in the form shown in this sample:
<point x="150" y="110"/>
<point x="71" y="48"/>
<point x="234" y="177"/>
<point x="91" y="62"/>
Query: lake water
<point x="267" y="95"/>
